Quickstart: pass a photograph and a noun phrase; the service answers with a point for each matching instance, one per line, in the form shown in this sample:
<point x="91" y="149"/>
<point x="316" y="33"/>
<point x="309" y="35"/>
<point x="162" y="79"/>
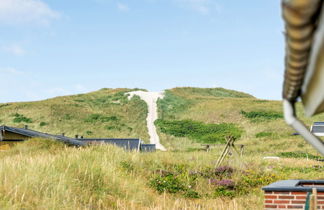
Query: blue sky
<point x="59" y="47"/>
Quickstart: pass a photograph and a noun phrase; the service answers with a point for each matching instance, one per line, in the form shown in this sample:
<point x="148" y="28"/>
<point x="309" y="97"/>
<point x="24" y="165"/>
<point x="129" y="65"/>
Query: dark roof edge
<point x="293" y="185"/>
<point x="32" y="133"/>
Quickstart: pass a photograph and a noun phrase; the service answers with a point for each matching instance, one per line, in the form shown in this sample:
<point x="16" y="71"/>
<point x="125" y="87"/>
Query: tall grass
<point x="42" y="174"/>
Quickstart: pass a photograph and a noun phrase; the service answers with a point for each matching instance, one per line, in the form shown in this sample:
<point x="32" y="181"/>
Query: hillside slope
<point x="108" y="113"/>
<point x="104" y="113"/>
<point x="262" y="123"/>
<point x="40" y="174"/>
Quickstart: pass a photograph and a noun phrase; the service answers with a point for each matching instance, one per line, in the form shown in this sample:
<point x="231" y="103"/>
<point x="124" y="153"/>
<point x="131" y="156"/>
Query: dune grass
<point x="105" y="113"/>
<point x="42" y="174"/>
<point x="264" y="129"/>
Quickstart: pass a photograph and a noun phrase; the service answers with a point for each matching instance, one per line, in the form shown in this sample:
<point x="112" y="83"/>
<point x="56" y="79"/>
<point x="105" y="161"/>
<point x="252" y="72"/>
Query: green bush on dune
<point x="19" y="118"/>
<point x="201" y="132"/>
<point x="41" y="124"/>
<point x="259" y="116"/>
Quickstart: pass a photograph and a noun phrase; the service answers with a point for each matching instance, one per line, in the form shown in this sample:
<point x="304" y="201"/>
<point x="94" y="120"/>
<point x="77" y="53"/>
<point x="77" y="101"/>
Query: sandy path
<point x="151" y="98"/>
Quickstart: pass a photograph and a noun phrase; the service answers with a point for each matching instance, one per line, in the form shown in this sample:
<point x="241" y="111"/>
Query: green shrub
<point x="168" y="183"/>
<point x="41" y="124"/>
<point x="257" y="116"/>
<point x="201" y="132"/>
<point x="89" y="132"/>
<point x="191" y="194"/>
<point x="224" y="192"/>
<point x="19" y="118"/>
<point x="251" y="179"/>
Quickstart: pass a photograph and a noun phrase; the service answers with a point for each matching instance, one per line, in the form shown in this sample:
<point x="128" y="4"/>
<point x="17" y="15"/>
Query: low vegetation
<point x="99" y="118"/>
<point x="19" y="118"/>
<point x="258" y="116"/>
<point x="198" y="131"/>
<point x="300" y="154"/>
<point x="265" y="134"/>
<point x="172" y="104"/>
<point x="40" y="174"/>
<point x="106" y="113"/>
<point x="211" y="93"/>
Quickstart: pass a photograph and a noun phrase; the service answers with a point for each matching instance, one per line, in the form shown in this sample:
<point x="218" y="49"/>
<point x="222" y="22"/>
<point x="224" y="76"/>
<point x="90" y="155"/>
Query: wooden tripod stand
<point x="230" y="148"/>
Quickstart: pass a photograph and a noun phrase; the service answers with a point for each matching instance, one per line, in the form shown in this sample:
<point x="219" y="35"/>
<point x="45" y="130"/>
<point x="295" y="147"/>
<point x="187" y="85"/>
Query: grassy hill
<point x="103" y="113"/>
<point x="42" y="174"/>
<point x="264" y="131"/>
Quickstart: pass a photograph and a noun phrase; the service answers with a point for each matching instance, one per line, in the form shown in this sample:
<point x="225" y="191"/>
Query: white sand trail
<point x="151" y="99"/>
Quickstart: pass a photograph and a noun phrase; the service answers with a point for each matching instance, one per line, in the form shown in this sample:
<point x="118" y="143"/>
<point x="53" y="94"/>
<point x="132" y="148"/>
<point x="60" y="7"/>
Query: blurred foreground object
<point x="304" y="63"/>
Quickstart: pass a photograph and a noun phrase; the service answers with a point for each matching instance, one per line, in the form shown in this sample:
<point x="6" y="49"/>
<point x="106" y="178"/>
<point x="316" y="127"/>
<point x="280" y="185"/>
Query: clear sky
<point x="58" y="47"/>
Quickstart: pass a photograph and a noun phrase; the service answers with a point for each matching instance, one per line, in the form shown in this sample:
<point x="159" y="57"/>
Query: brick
<point x="270" y="197"/>
<point x="298" y="202"/>
<point x="320" y="202"/>
<point x="295" y="206"/>
<point x="320" y="197"/>
<point x="320" y="193"/>
<point x="281" y="206"/>
<point x="268" y="192"/>
<point x="270" y="206"/>
<point x="282" y="201"/>
<point x="284" y="193"/>
<point x="298" y="193"/>
<point x="286" y="197"/>
<point x="301" y="197"/>
<point x="268" y="201"/>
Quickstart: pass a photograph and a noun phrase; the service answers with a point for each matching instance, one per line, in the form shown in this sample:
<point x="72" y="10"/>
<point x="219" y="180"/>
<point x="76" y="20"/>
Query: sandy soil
<point x="151" y="98"/>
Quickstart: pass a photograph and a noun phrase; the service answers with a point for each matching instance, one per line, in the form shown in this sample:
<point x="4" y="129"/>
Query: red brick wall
<point x="289" y="200"/>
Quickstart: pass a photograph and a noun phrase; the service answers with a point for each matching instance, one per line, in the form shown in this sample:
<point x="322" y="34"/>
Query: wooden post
<point x="230" y="141"/>
<point x="313" y="200"/>
<point x="229" y="149"/>
<point x="241" y="150"/>
<point x="207" y="148"/>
